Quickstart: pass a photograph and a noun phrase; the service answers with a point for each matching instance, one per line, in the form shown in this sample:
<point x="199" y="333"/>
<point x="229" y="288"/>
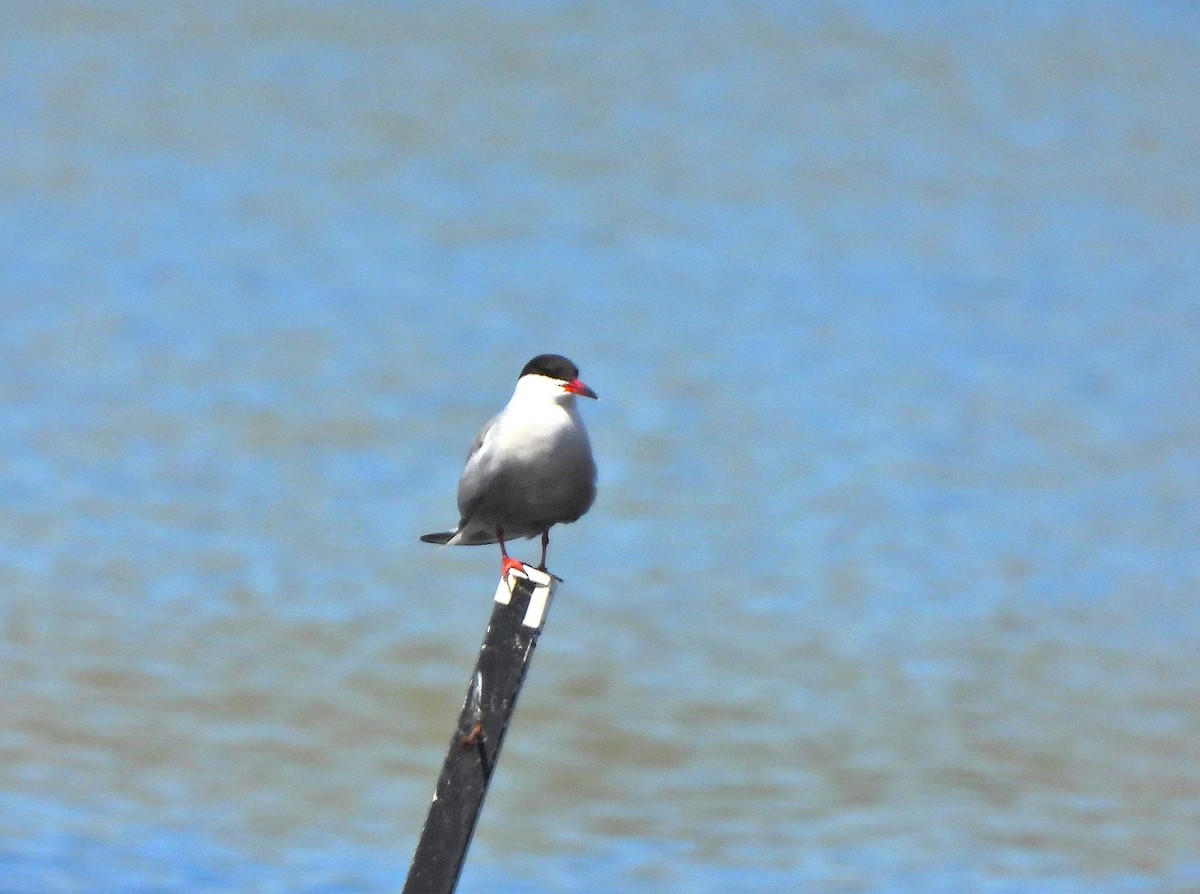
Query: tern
<point x="530" y="467"/>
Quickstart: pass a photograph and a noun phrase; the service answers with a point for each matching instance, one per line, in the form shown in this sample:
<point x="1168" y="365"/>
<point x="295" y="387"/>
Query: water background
<point x="895" y="318"/>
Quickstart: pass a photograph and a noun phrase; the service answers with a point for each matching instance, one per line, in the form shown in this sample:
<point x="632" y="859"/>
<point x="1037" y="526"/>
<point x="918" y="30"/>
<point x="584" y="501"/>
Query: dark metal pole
<point x="517" y="619"/>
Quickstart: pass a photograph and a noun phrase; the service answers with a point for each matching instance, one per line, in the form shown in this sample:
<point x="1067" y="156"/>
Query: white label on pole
<point x="504" y="591"/>
<point x="539" y="604"/>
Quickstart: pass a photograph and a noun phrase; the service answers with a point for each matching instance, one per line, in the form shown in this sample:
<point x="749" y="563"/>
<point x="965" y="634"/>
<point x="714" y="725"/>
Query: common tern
<point x="530" y="467"/>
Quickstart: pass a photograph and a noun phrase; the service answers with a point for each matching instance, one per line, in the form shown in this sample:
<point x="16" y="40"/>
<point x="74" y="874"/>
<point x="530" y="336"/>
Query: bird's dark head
<point x="561" y="370"/>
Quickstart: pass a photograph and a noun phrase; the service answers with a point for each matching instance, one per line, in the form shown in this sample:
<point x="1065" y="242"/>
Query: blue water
<point x="891" y="581"/>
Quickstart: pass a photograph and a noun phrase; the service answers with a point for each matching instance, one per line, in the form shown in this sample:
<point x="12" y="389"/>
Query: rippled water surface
<point x="895" y="318"/>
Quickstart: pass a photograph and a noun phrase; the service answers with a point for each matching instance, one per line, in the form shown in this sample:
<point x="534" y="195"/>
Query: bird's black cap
<point x="555" y="366"/>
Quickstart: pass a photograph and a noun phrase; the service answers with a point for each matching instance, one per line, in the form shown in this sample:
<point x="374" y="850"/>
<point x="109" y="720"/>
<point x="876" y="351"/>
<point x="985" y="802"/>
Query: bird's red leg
<point x="507" y="563"/>
<point x="545" y="544"/>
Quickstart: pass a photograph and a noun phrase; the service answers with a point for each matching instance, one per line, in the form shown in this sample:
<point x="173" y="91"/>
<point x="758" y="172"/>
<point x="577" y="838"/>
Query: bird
<point x="530" y="467"/>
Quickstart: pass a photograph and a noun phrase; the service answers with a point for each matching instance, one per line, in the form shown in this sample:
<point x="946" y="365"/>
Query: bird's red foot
<point x="509" y="565"/>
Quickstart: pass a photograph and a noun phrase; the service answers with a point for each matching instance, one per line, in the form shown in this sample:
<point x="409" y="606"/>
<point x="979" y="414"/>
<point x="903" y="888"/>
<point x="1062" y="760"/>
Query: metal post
<point x="517" y="619"/>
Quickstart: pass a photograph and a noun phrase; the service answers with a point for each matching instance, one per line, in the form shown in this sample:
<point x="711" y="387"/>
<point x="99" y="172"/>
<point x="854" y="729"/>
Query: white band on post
<point x="539" y="603"/>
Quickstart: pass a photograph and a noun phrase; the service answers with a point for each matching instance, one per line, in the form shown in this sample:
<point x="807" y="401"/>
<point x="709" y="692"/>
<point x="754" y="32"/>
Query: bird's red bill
<point x="577" y="387"/>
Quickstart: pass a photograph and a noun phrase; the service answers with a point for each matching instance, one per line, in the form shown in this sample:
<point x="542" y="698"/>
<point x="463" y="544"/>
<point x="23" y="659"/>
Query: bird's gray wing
<point x="474" y="484"/>
<point x="470" y="487"/>
<point x="476" y="474"/>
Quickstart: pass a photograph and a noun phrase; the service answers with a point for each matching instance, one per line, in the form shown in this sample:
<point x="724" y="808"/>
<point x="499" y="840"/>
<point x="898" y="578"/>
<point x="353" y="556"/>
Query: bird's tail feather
<point x="464" y="535"/>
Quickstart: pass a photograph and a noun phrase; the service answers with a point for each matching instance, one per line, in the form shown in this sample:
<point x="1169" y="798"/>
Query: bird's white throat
<point x="538" y="391"/>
